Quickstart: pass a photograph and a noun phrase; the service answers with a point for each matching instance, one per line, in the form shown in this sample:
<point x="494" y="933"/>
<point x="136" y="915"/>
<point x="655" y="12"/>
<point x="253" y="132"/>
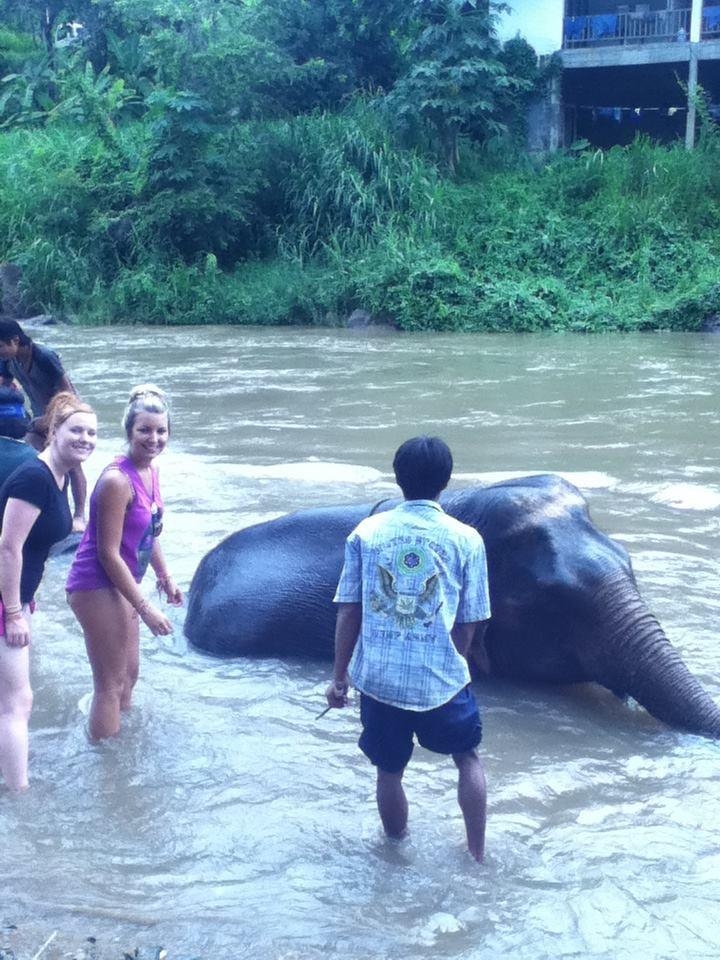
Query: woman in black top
<point x="35" y="515"/>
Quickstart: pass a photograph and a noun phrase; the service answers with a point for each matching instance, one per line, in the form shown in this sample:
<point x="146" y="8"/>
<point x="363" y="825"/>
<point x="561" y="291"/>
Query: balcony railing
<point x="626" y="25"/>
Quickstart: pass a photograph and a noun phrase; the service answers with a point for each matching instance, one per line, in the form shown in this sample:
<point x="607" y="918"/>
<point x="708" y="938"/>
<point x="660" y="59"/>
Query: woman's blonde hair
<point x="145" y="398"/>
<point x="61" y="407"/>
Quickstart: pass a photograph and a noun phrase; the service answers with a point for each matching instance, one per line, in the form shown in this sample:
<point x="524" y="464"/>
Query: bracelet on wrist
<point x="11" y="608"/>
<point x="15" y="615"/>
<point x="142" y="608"/>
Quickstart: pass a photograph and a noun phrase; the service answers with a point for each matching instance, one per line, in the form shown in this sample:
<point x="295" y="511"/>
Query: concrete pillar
<point x="545" y="121"/>
<point x="695" y="20"/>
<point x="695" y="27"/>
<point x="556" y="134"/>
<point x="691" y="97"/>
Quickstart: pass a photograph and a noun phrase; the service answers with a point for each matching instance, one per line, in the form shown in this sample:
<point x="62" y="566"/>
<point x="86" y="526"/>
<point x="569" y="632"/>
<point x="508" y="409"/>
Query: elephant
<point x="565" y="604"/>
<point x="68" y="544"/>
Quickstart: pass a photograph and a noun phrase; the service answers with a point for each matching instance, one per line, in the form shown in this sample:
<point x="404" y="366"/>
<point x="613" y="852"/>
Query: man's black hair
<point x="10" y="329"/>
<point x="423" y="466"/>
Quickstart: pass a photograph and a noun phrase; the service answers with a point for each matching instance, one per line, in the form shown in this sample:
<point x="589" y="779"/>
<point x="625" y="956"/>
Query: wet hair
<point x="13" y="419"/>
<point x="10" y="329"/>
<point x="61" y="407"/>
<point x="146" y="398"/>
<point x="423" y="466"/>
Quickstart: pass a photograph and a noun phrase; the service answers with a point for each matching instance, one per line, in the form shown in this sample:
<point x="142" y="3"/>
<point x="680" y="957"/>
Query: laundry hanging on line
<point x="618" y="114"/>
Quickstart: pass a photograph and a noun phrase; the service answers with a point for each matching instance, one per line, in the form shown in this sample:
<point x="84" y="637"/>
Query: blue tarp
<point x="604" y="25"/>
<point x="575" y="28"/>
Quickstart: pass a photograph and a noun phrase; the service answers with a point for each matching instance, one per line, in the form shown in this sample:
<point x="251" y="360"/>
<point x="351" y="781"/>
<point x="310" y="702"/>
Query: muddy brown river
<point x="227" y="822"/>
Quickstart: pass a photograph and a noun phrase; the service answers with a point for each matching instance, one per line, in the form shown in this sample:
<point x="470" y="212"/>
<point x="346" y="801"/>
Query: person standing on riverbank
<point x="41" y="374"/>
<point x="35" y="515"/>
<point x="121" y="539"/>
<point x="412" y="597"/>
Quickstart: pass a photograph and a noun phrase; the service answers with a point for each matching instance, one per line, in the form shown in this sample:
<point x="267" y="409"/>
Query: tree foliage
<point x="338" y="47"/>
<point x="267" y="161"/>
<point x="456" y="76"/>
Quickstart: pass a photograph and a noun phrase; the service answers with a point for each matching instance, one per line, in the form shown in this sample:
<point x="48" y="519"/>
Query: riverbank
<point x="335" y="218"/>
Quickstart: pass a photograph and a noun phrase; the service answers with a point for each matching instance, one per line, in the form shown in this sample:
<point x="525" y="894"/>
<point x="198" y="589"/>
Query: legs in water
<point x="112" y="639"/>
<point x="392" y="803"/>
<point x="472" y="797"/>
<point x="15" y="707"/>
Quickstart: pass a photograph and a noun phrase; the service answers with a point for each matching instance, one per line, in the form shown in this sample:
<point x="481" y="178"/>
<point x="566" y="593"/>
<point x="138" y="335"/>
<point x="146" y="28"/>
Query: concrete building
<point x="627" y="68"/>
<point x="631" y="68"/>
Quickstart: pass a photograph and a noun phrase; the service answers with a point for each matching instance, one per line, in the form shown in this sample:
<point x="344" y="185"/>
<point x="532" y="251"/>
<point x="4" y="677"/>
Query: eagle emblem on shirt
<point x="408" y="607"/>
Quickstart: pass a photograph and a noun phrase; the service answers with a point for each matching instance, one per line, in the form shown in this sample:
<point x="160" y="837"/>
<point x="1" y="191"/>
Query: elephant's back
<point x="539" y="527"/>
<point x="268" y="589"/>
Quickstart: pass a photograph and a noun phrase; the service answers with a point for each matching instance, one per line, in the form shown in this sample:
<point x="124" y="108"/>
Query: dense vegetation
<point x="214" y="161"/>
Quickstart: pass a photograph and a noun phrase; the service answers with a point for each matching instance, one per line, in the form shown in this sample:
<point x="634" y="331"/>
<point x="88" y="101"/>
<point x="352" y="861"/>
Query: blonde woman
<point x="126" y="512"/>
<point x="35" y="515"/>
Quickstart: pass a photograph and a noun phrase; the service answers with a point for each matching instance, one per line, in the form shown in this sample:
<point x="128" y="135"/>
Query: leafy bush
<point x="158" y="294"/>
<point x="15" y="50"/>
<point x="180" y="219"/>
<point x="342" y="182"/>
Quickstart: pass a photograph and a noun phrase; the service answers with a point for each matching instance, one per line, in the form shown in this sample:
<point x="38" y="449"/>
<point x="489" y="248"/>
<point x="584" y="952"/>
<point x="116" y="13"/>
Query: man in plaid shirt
<point x="412" y="597"/>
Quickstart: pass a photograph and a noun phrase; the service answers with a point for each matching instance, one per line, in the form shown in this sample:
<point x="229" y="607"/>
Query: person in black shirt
<point x="34" y="514"/>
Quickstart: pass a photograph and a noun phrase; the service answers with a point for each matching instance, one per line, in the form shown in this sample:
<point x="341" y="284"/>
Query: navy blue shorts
<point x="387" y="737"/>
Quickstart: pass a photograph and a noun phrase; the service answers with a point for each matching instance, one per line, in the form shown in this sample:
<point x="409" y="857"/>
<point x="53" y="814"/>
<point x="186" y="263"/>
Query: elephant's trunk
<point x="640" y="661"/>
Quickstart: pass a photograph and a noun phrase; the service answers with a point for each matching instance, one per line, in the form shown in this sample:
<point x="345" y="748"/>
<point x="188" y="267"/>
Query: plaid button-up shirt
<point x="416" y="571"/>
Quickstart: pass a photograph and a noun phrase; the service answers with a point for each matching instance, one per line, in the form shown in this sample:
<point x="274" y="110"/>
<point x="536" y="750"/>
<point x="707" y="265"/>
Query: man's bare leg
<point x="392" y="803"/>
<point x="472" y="797"/>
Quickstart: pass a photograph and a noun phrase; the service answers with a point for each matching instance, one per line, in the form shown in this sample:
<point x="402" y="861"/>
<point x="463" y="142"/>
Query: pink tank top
<point x="142" y="523"/>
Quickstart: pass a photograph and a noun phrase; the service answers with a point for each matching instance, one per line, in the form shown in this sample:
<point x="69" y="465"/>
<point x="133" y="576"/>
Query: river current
<point x="227" y="821"/>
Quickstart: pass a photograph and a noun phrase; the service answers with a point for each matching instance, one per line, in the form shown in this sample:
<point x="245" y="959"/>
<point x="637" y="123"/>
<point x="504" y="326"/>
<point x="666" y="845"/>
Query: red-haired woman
<point x="34" y="514"/>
